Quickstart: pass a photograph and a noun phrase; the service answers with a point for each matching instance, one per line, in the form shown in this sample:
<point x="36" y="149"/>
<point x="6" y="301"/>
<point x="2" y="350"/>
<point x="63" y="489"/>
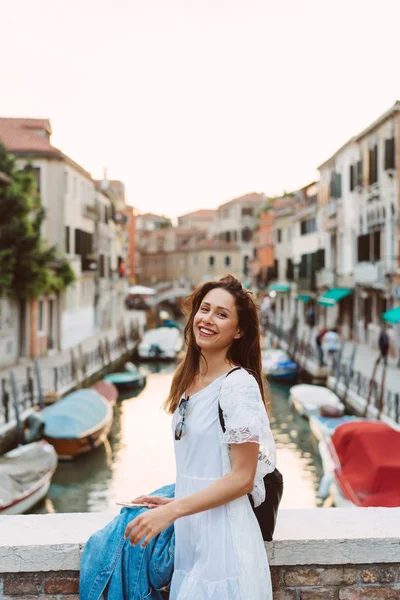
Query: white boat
<point x="162" y="343"/>
<point x="308" y="400"/>
<point x="276" y="364"/>
<point x="25" y="476"/>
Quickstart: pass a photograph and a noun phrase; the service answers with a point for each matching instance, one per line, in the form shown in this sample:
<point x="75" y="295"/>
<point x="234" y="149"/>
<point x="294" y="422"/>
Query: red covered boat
<point x="367" y="464"/>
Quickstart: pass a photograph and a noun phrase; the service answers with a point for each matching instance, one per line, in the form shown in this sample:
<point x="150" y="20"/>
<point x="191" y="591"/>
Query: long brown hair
<point x="244" y="351"/>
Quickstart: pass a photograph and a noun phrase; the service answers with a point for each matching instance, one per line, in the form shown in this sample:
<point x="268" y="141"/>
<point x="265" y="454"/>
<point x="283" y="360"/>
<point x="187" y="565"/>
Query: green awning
<point x="279" y="287"/>
<point x="304" y="297"/>
<point x="392" y="315"/>
<point x="334" y="295"/>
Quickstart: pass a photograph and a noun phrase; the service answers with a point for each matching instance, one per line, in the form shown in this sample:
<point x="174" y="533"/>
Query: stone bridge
<point x="170" y="294"/>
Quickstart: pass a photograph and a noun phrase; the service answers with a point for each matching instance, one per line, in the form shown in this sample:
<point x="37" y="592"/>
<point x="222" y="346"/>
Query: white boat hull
<point x="22" y="506"/>
<point x="308" y="399"/>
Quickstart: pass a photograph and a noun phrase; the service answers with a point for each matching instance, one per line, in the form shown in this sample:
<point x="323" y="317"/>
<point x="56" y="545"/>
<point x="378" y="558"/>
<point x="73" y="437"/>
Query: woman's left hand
<point x="149" y="524"/>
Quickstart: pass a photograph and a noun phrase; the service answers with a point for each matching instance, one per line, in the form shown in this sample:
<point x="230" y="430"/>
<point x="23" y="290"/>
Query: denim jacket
<point x="114" y="569"/>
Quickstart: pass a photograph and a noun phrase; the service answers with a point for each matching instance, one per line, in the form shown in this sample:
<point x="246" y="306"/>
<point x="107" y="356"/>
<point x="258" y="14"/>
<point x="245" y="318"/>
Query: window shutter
<point x="389" y="154"/>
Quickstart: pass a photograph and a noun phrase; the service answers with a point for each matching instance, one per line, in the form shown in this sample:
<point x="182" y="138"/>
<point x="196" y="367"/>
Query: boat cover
<point x="21" y="468"/>
<point x="123" y="377"/>
<point x="166" y="338"/>
<point x="107" y="390"/>
<point x="369" y="455"/>
<point x="75" y="414"/>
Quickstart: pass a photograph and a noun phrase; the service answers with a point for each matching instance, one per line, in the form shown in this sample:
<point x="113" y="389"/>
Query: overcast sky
<point x="194" y="102"/>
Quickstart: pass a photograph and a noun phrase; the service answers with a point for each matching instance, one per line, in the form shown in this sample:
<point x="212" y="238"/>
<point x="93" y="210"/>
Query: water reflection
<point x="139" y="456"/>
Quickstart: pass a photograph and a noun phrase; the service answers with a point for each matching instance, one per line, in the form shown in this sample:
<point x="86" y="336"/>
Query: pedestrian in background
<point x="331" y="341"/>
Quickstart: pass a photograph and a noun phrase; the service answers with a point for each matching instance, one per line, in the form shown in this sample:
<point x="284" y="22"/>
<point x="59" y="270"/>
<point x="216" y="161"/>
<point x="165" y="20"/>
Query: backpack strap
<point x="220" y="413"/>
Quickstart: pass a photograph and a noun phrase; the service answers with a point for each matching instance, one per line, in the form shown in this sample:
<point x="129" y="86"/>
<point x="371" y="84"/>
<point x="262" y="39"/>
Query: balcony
<point x="89" y="211"/>
<point x="325" y="278"/>
<point x="367" y="273"/>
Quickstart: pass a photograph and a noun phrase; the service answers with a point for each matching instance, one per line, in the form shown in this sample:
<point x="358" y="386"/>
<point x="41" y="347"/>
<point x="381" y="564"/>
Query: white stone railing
<point x="55" y="542"/>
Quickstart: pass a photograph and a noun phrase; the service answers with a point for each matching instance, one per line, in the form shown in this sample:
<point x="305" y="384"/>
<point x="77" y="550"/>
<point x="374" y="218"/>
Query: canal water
<point x="139" y="456"/>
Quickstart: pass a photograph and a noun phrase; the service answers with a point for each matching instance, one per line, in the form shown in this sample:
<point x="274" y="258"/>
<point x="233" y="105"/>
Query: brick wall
<point x="344" y="582"/>
<point x="49" y="586"/>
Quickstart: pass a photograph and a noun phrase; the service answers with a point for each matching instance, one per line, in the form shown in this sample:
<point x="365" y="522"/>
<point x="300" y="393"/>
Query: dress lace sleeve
<point x="246" y="420"/>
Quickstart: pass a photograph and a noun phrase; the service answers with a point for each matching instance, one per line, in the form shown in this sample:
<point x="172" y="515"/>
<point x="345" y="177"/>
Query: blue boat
<point x="323" y="427"/>
<point x="78" y="423"/>
<point x="277" y="365"/>
<point x="126" y="380"/>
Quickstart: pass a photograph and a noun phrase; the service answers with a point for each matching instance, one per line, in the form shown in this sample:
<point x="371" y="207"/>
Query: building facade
<point x="235" y="222"/>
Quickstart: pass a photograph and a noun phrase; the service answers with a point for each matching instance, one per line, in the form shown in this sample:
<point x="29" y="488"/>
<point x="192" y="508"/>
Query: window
<point x="352" y="178"/>
<point x="36" y="174"/>
<point x="320" y="259"/>
<point x="211" y="261"/>
<point x="101" y="266"/>
<point x="308" y="226"/>
<point x="245" y="265"/>
<point x="373" y="165"/>
<point x="389" y="154"/>
<point x="247" y="234"/>
<point x="359" y="173"/>
<point x="335" y="185"/>
<point x="40" y="315"/>
<point x="66" y="181"/>
<point x="247" y="212"/>
<point x="67" y="240"/>
<point x="278" y="236"/>
<point x="227" y="261"/>
<point x="289" y="269"/>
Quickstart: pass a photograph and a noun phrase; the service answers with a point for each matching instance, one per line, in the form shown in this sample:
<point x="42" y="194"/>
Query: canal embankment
<point x="29" y="387"/>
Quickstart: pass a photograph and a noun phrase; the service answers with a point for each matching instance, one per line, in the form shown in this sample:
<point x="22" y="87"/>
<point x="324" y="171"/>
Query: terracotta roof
<point x="203" y="213"/>
<point x="27" y="135"/>
<point x="152" y="216"/>
<point x="32" y="137"/>
<point x="252" y="198"/>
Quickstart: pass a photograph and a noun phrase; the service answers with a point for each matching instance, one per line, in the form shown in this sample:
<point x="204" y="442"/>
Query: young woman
<point x="219" y="550"/>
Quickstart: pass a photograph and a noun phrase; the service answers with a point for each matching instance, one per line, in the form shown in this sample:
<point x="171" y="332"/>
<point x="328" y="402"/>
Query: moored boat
<point x="277" y="365"/>
<point x="106" y="389"/>
<point x="78" y="423"/>
<point x="365" y="464"/>
<point x="323" y="427"/>
<point x="25" y="476"/>
<point x="131" y="378"/>
<point x="162" y="343"/>
<point x="308" y="400"/>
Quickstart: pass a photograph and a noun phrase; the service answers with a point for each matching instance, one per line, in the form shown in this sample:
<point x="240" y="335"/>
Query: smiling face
<point x="216" y="323"/>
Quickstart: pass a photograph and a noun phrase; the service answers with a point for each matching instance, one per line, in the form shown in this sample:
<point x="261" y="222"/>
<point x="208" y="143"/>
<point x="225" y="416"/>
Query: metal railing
<point x="19" y="395"/>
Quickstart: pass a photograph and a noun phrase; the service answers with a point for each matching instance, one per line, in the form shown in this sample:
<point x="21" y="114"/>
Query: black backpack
<point x="267" y="512"/>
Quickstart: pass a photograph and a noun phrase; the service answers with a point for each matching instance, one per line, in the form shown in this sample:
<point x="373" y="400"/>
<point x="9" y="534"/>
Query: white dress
<point x="220" y="553"/>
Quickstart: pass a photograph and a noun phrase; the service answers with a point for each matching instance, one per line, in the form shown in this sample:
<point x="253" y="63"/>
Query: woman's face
<point x="216" y="323"/>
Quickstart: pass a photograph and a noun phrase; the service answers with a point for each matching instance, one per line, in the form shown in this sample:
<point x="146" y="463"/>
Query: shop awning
<point x="279" y="287"/>
<point x="304" y="297"/>
<point x="334" y="295"/>
<point x="392" y="315"/>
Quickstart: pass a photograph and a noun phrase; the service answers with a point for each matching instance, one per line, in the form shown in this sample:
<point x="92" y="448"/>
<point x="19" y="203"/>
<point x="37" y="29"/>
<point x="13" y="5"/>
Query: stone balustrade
<point x="318" y="554"/>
